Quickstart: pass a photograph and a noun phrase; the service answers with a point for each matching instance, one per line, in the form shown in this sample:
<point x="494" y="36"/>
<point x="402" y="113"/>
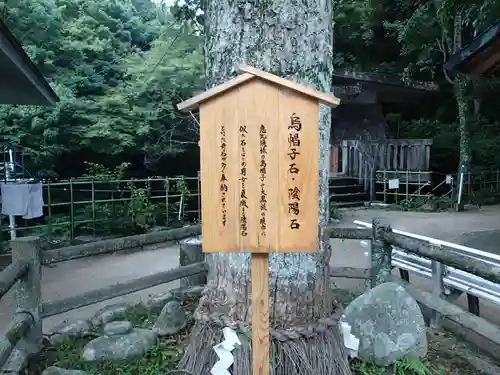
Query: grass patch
<point x="160" y="359"/>
<point x="401" y="367"/>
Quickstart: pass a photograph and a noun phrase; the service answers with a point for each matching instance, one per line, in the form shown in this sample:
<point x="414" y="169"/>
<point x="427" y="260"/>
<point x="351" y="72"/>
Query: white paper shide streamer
<point x="224" y="350"/>
<point x="351" y="342"/>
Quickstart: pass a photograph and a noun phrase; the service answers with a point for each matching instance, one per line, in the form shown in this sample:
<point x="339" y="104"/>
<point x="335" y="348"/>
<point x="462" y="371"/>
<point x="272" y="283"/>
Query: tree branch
<point x="443" y="48"/>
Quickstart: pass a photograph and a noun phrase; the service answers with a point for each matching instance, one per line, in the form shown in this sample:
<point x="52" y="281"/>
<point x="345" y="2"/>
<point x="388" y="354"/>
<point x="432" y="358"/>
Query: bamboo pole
<point x="93" y="207"/>
<point x="49" y="207"/>
<point x="72" y="211"/>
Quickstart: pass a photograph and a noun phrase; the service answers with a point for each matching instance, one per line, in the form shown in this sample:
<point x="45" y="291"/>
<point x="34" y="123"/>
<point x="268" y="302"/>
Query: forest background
<point x="120" y="66"/>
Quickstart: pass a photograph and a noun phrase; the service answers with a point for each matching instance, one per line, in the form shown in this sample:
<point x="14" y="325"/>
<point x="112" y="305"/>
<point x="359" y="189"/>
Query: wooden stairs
<point x="347" y="192"/>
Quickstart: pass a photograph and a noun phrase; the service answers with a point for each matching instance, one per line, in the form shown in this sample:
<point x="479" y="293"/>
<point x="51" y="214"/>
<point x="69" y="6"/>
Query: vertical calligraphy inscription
<point x="243" y="182"/>
<point x="263" y="179"/>
<point x="223" y="178"/>
<point x="294" y="128"/>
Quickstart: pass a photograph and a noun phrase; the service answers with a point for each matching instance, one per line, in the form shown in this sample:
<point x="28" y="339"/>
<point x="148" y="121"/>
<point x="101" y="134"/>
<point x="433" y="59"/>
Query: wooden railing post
<point x="437" y="289"/>
<point x="345" y="157"/>
<point x="29" y="291"/>
<point x="189" y="253"/>
<point x="381" y="255"/>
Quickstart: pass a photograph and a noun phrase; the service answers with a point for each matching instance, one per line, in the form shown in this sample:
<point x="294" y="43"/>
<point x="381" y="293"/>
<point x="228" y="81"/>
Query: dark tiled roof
<point x="481" y="56"/>
<point x="20" y="80"/>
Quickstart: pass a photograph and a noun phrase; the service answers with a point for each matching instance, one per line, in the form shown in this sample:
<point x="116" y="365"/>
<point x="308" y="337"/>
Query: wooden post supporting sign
<point x="259" y="177"/>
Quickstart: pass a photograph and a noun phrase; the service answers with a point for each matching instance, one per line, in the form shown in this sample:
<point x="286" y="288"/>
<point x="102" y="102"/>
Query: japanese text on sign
<point x="243" y="180"/>
<point x="223" y="178"/>
<point x="263" y="176"/>
<point x="294" y="128"/>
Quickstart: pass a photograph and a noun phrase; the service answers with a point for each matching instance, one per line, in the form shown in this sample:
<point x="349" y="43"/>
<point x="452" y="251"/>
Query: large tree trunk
<point x="292" y="39"/>
<point x="462" y="86"/>
<point x="462" y="90"/>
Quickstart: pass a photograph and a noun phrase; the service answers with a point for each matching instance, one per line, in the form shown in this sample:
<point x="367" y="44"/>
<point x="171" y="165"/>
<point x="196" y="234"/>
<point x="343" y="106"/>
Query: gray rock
<point x="155" y="302"/>
<point x="192" y="292"/>
<point x="117" y="328"/>
<point x="65" y="331"/>
<point x="110" y="313"/>
<point x="388" y="323"/>
<point x="53" y="370"/>
<point x="172" y="319"/>
<point x="112" y="348"/>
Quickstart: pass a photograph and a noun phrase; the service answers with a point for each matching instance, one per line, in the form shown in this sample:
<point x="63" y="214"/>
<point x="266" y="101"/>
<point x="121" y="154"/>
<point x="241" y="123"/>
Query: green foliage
<point x="190" y="10"/>
<point x="354" y="33"/>
<point x="118" y="68"/>
<point x="484" y="142"/>
<point x="137" y="213"/>
<point x="99" y="172"/>
<point x="405" y="366"/>
<point x="428" y="203"/>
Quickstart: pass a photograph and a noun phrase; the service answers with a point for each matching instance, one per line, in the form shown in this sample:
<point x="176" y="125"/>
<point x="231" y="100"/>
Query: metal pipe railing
<point x="452" y="279"/>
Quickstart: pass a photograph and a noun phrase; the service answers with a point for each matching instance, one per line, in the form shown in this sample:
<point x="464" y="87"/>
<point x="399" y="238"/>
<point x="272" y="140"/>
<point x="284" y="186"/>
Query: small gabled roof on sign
<point x="324" y="98"/>
<point x="249" y="73"/>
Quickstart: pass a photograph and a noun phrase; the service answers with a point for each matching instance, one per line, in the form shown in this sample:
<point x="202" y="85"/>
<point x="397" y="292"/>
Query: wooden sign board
<point x="259" y="178"/>
<point x="259" y="164"/>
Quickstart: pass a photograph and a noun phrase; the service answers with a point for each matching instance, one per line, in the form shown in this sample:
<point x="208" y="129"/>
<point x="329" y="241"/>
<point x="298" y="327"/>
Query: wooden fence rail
<point x="121" y="289"/>
<point x="118" y="244"/>
<point x="24" y="332"/>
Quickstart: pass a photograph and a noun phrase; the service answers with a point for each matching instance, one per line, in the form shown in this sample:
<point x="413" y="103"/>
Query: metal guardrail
<point x="452" y="279"/>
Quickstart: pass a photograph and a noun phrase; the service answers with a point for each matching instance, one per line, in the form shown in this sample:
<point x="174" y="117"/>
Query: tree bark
<point x="462" y="86"/>
<point x="292" y="39"/>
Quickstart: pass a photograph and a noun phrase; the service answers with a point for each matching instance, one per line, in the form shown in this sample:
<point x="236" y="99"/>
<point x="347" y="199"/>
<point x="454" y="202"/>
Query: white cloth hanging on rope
<point x="22" y="199"/>
<point x="35" y="201"/>
<point x="15" y="198"/>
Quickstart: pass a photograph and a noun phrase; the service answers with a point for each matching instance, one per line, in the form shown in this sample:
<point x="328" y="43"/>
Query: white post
<point x="460" y="188"/>
<point x="181" y="206"/>
<point x="12" y="219"/>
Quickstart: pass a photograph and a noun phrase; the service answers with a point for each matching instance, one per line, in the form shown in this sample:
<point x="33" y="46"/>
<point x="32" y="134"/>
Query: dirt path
<point x="78" y="276"/>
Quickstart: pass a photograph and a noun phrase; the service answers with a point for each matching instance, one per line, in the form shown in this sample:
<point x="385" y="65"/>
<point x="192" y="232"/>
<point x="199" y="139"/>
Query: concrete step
<point x="348" y="204"/>
<point x="343" y="189"/>
<point x="347" y="196"/>
<point x="342" y="181"/>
